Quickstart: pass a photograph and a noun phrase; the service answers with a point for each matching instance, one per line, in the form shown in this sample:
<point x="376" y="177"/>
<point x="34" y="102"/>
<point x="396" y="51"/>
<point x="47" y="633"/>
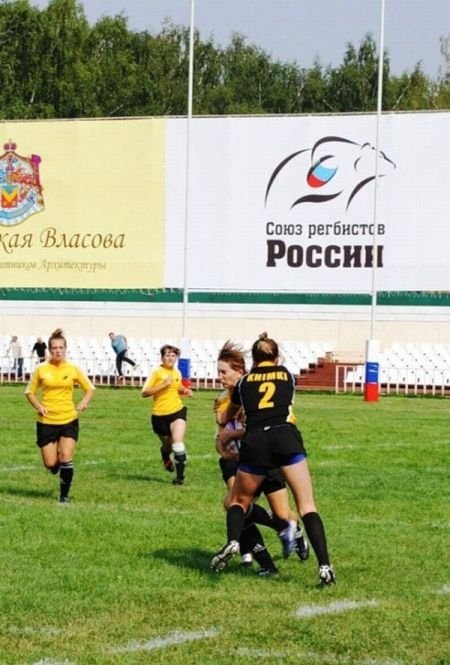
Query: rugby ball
<point x="233" y="445"/>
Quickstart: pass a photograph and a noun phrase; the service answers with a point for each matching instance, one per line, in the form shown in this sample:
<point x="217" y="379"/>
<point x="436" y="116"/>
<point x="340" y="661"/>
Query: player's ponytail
<point x="264" y="349"/>
<point x="56" y="334"/>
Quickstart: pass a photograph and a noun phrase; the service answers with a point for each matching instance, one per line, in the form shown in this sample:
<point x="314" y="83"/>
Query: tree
<point x="113" y="72"/>
<point x="65" y="79"/>
<point x="21" y="31"/>
<point x="53" y="64"/>
<point x="443" y="83"/>
<point x="353" y="86"/>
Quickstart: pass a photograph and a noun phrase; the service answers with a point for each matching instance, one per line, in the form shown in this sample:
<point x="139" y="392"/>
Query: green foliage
<point x="125" y="566"/>
<point x="53" y="64"/>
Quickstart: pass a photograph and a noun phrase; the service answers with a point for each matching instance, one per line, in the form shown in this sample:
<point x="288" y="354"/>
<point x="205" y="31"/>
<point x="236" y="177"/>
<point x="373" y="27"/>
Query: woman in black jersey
<point x="266" y="395"/>
<point x="231" y="367"/>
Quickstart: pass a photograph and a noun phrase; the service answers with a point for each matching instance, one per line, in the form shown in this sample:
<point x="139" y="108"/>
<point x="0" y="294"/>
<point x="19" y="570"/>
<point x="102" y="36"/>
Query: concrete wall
<point x="346" y="328"/>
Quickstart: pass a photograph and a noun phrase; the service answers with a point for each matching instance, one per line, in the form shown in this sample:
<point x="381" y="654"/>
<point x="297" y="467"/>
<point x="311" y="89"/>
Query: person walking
<point x="15" y="349"/>
<point x="120" y="346"/>
<point x="266" y="395"/>
<point x="57" y="424"/>
<point x="168" y="414"/>
<point x="40" y="349"/>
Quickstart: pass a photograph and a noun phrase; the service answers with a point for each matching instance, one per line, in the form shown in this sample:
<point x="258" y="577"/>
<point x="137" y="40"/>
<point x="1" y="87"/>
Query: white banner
<point x="287" y="203"/>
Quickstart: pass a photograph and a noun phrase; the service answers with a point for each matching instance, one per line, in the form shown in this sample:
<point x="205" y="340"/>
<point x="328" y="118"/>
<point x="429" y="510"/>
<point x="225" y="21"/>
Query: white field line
<point x="21" y="467"/>
<point x="81" y="463"/>
<point x="444" y="591"/>
<point x="50" y="661"/>
<point x="338" y="606"/>
<point x="33" y="467"/>
<point x="32" y="630"/>
<point x="123" y="509"/>
<point x="384" y="661"/>
<point x="172" y="639"/>
<point x="264" y="653"/>
<point x="310" y="657"/>
<point x="440" y="525"/>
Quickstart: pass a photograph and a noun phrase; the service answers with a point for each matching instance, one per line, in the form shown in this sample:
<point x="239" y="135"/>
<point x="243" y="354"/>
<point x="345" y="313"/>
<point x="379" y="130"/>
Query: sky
<point x="300" y="30"/>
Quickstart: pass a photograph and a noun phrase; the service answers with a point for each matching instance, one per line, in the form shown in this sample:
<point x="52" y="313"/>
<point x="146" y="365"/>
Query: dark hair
<point x="56" y="334"/>
<point x="169" y="347"/>
<point x="264" y="349"/>
<point x="232" y="354"/>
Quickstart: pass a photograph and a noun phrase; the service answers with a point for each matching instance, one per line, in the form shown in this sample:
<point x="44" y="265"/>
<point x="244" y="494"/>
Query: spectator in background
<point x="15" y="348"/>
<point x="120" y="347"/>
<point x="40" y="348"/>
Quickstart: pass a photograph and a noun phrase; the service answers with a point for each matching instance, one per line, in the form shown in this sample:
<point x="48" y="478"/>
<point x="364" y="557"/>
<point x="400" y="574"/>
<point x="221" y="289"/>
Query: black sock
<point x="66" y="476"/>
<point x="253" y="542"/>
<point x="262" y="557"/>
<point x="54" y="469"/>
<point x="235" y="522"/>
<point x="259" y="515"/>
<point x="316" y="534"/>
<point x="180" y="463"/>
<point x="249" y="537"/>
<point x="165" y="455"/>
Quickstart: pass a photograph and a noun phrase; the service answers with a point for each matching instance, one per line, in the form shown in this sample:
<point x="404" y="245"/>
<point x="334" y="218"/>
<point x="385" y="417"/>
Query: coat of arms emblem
<point x="20" y="186"/>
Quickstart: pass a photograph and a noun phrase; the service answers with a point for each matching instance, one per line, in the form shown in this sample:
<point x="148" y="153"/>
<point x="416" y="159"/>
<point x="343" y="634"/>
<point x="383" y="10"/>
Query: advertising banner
<point x="82" y="204"/>
<point x="287" y="203"/>
<point x="276" y="204"/>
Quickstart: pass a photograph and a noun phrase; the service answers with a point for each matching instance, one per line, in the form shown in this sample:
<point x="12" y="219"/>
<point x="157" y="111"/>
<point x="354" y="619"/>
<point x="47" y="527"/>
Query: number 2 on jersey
<point x="268" y="388"/>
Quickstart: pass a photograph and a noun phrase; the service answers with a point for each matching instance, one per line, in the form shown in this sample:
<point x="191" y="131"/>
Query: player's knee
<point x="179" y="450"/>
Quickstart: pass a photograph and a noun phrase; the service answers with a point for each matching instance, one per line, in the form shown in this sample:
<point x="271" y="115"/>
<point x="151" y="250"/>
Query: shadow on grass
<point x="143" y="478"/>
<point x="27" y="492"/>
<point x="194" y="559"/>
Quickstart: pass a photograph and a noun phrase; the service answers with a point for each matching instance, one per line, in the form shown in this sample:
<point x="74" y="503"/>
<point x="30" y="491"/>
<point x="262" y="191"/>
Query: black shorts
<point x="272" y="483"/>
<point x="228" y="468"/>
<point x="50" y="433"/>
<point x="161" y="424"/>
<point x="271" y="447"/>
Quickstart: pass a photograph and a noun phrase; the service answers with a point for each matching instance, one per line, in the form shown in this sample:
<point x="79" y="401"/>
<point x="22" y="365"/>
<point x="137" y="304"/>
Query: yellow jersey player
<point x="57" y="421"/>
<point x="168" y="413"/>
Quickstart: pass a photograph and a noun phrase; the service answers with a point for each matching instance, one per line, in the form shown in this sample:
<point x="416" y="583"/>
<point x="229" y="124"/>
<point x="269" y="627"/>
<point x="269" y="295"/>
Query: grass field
<point x="121" y="575"/>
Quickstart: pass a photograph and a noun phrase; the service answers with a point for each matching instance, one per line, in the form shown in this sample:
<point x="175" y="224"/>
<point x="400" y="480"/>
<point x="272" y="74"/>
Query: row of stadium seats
<point x="97" y="358"/>
<point x="400" y="364"/>
<point x="412" y="366"/>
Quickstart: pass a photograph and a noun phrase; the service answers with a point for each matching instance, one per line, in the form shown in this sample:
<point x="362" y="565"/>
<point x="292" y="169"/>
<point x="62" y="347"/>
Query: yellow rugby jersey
<point x="56" y="383"/>
<point x="221" y="404"/>
<point x="168" y="400"/>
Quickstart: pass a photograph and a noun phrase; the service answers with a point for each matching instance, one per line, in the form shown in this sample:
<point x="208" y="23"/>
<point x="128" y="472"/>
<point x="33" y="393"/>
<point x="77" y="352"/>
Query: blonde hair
<point x="264" y="348"/>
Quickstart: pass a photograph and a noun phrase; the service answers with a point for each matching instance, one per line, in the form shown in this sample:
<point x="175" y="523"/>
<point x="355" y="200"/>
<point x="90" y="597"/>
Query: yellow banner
<point x="82" y="204"/>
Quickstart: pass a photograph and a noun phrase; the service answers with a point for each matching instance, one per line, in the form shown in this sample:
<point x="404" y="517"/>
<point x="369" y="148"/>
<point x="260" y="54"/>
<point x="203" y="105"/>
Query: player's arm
<point x="35" y="403"/>
<point x="226" y="435"/>
<point x="150" y="389"/>
<point x="230" y="413"/>
<point x="86" y="399"/>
